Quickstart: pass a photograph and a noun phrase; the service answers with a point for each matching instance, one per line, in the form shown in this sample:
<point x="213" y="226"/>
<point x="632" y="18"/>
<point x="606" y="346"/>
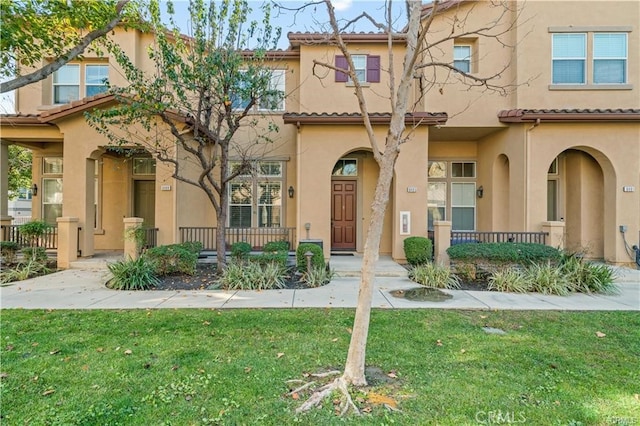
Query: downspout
<point x="526" y="173"/>
<point x="299" y="225"/>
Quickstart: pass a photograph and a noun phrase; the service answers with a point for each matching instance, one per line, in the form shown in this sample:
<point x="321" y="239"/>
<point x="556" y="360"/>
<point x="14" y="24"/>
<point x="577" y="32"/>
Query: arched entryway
<point x="576" y="188"/>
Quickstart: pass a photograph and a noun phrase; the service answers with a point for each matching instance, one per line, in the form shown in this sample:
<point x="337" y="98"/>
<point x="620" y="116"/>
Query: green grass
<point x="184" y="367"/>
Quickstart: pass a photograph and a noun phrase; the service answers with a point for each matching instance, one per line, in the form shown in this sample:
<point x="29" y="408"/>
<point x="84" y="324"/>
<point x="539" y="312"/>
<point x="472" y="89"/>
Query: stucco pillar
<point x="78" y="195"/>
<point x="4" y="183"/>
<point x="442" y="241"/>
<point x="131" y="248"/>
<point x="555" y="229"/>
<point x="409" y="192"/>
<point x="67" y="241"/>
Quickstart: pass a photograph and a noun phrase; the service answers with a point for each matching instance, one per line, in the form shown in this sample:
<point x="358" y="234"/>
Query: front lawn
<point x="184" y="367"/>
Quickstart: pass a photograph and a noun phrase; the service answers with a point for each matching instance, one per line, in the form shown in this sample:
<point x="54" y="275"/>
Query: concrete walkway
<point x="85" y="289"/>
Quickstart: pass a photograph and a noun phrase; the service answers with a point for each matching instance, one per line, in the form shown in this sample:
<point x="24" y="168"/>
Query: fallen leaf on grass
<point x="55" y="351"/>
<point x="128" y="352"/>
<point x="9" y="348"/>
<point x="334" y="340"/>
<point x="600" y="334"/>
<point x="377" y="399"/>
<point x="206" y="323"/>
<point x="247" y="370"/>
<point x="636" y="396"/>
<point x="392" y="374"/>
<point x="367" y="409"/>
<point x="34" y="344"/>
<point x="295" y="396"/>
<point x="175" y="367"/>
<point x="48" y="392"/>
<point x="3" y="375"/>
<point x="349" y="330"/>
<point x="462" y="351"/>
<point x="280" y="354"/>
<point x="100" y="350"/>
<point x="438" y="342"/>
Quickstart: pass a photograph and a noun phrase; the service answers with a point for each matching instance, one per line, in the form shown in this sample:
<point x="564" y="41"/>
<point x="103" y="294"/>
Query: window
<point x="144" y="166"/>
<point x="68" y="81"/>
<point x="609" y="58"/>
<point x="51" y="189"/>
<point x="273" y="99"/>
<point x="66" y="84"/>
<point x="451" y="193"/>
<point x="462" y="58"/>
<point x="256" y="200"/>
<point x="96" y="79"/>
<point x="569" y="58"/>
<point x="346" y="167"/>
<point x="367" y="68"/>
<point x="589" y="58"/>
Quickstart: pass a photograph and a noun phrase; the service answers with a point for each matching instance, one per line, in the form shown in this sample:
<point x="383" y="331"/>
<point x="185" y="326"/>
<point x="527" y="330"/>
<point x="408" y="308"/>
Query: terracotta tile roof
<point x="76" y="106"/>
<point x="14" y="119"/>
<point x="557" y="115"/>
<point x="416" y="118"/>
<point x="297" y="38"/>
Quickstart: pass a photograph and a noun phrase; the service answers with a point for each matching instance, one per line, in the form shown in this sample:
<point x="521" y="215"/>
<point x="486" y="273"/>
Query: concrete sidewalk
<point x="85" y="289"/>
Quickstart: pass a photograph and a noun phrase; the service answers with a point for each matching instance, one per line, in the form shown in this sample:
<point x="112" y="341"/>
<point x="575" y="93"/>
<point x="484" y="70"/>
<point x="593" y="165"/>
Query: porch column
<point x="131" y="248"/>
<point x="79" y="196"/>
<point x="4" y="185"/>
<point x="555" y="229"/>
<point x="67" y="241"/>
<point x="442" y="240"/>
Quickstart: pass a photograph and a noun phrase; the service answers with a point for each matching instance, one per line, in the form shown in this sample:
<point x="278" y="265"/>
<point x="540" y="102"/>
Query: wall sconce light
<point x="480" y="191"/>
<point x="291" y="192"/>
<point x="34" y="189"/>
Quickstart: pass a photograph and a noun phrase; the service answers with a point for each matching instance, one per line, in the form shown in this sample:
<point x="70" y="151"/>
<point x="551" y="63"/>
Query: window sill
<point x="591" y="87"/>
<point x="98" y="232"/>
<point x="362" y="84"/>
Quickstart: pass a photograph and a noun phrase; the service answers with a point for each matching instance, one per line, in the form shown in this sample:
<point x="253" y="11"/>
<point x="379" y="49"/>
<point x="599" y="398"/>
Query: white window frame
<point x="463" y="59"/>
<point x="360" y="69"/>
<point x="624" y="58"/>
<point x="253" y="183"/>
<point x="556" y="58"/>
<point x="449" y="181"/>
<point x="49" y="175"/>
<point x="102" y="84"/>
<point x="66" y="84"/>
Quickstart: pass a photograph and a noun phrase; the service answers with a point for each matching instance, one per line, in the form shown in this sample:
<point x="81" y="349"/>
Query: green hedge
<point x="174" y="258"/>
<point x="240" y="250"/>
<point x="276" y="246"/>
<point x="523" y="253"/>
<point x="265" y="258"/>
<point x="418" y="250"/>
<point x="317" y="261"/>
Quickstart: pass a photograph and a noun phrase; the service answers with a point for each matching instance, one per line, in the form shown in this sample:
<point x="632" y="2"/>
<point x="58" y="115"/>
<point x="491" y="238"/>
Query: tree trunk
<point x="221" y="240"/>
<point x="355" y="365"/>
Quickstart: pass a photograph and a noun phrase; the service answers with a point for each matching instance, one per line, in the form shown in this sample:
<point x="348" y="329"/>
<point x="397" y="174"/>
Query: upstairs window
<point x="66" y="84"/>
<point x="72" y="82"/>
<point x="609" y="58"/>
<point x="96" y="78"/>
<point x="462" y="58"/>
<point x="366" y="67"/>
<point x="569" y="52"/>
<point x="273" y="100"/>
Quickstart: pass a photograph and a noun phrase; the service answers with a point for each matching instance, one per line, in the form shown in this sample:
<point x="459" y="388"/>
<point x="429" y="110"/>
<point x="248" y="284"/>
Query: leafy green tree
<point x="36" y="30"/>
<point x="204" y="90"/>
<point x="19" y="162"/>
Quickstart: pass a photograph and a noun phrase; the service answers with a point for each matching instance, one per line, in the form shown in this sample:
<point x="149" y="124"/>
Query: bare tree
<point x="419" y="54"/>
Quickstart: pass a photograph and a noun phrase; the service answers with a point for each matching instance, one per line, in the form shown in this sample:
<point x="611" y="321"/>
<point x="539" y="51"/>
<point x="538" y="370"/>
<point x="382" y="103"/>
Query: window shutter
<point x="341" y="62"/>
<point x="373" y="69"/>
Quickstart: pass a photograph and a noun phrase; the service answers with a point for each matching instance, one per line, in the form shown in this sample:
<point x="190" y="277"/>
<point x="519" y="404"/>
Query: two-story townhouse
<point x="560" y="147"/>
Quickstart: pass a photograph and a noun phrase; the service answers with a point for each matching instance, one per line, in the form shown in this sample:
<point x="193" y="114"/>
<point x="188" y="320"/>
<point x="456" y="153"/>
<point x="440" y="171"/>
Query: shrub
<point x="279" y="257"/>
<point x="317" y="277"/>
<point x="131" y="274"/>
<point x="34" y="230"/>
<point x="9" y="251"/>
<point x="317" y="260"/>
<point x="174" y="258"/>
<point x="275" y="246"/>
<point x="240" y="275"/>
<point x="433" y="275"/>
<point x="510" y="279"/>
<point x="547" y="279"/>
<point x="418" y="250"/>
<point x="586" y="277"/>
<point x="240" y="250"/>
<point x="522" y="253"/>
<point x="466" y="271"/>
<point x="38" y="254"/>
<point x="30" y="269"/>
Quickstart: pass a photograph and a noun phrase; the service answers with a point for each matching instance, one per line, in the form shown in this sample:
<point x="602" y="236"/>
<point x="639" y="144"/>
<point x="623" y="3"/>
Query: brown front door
<point x="343" y="215"/>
